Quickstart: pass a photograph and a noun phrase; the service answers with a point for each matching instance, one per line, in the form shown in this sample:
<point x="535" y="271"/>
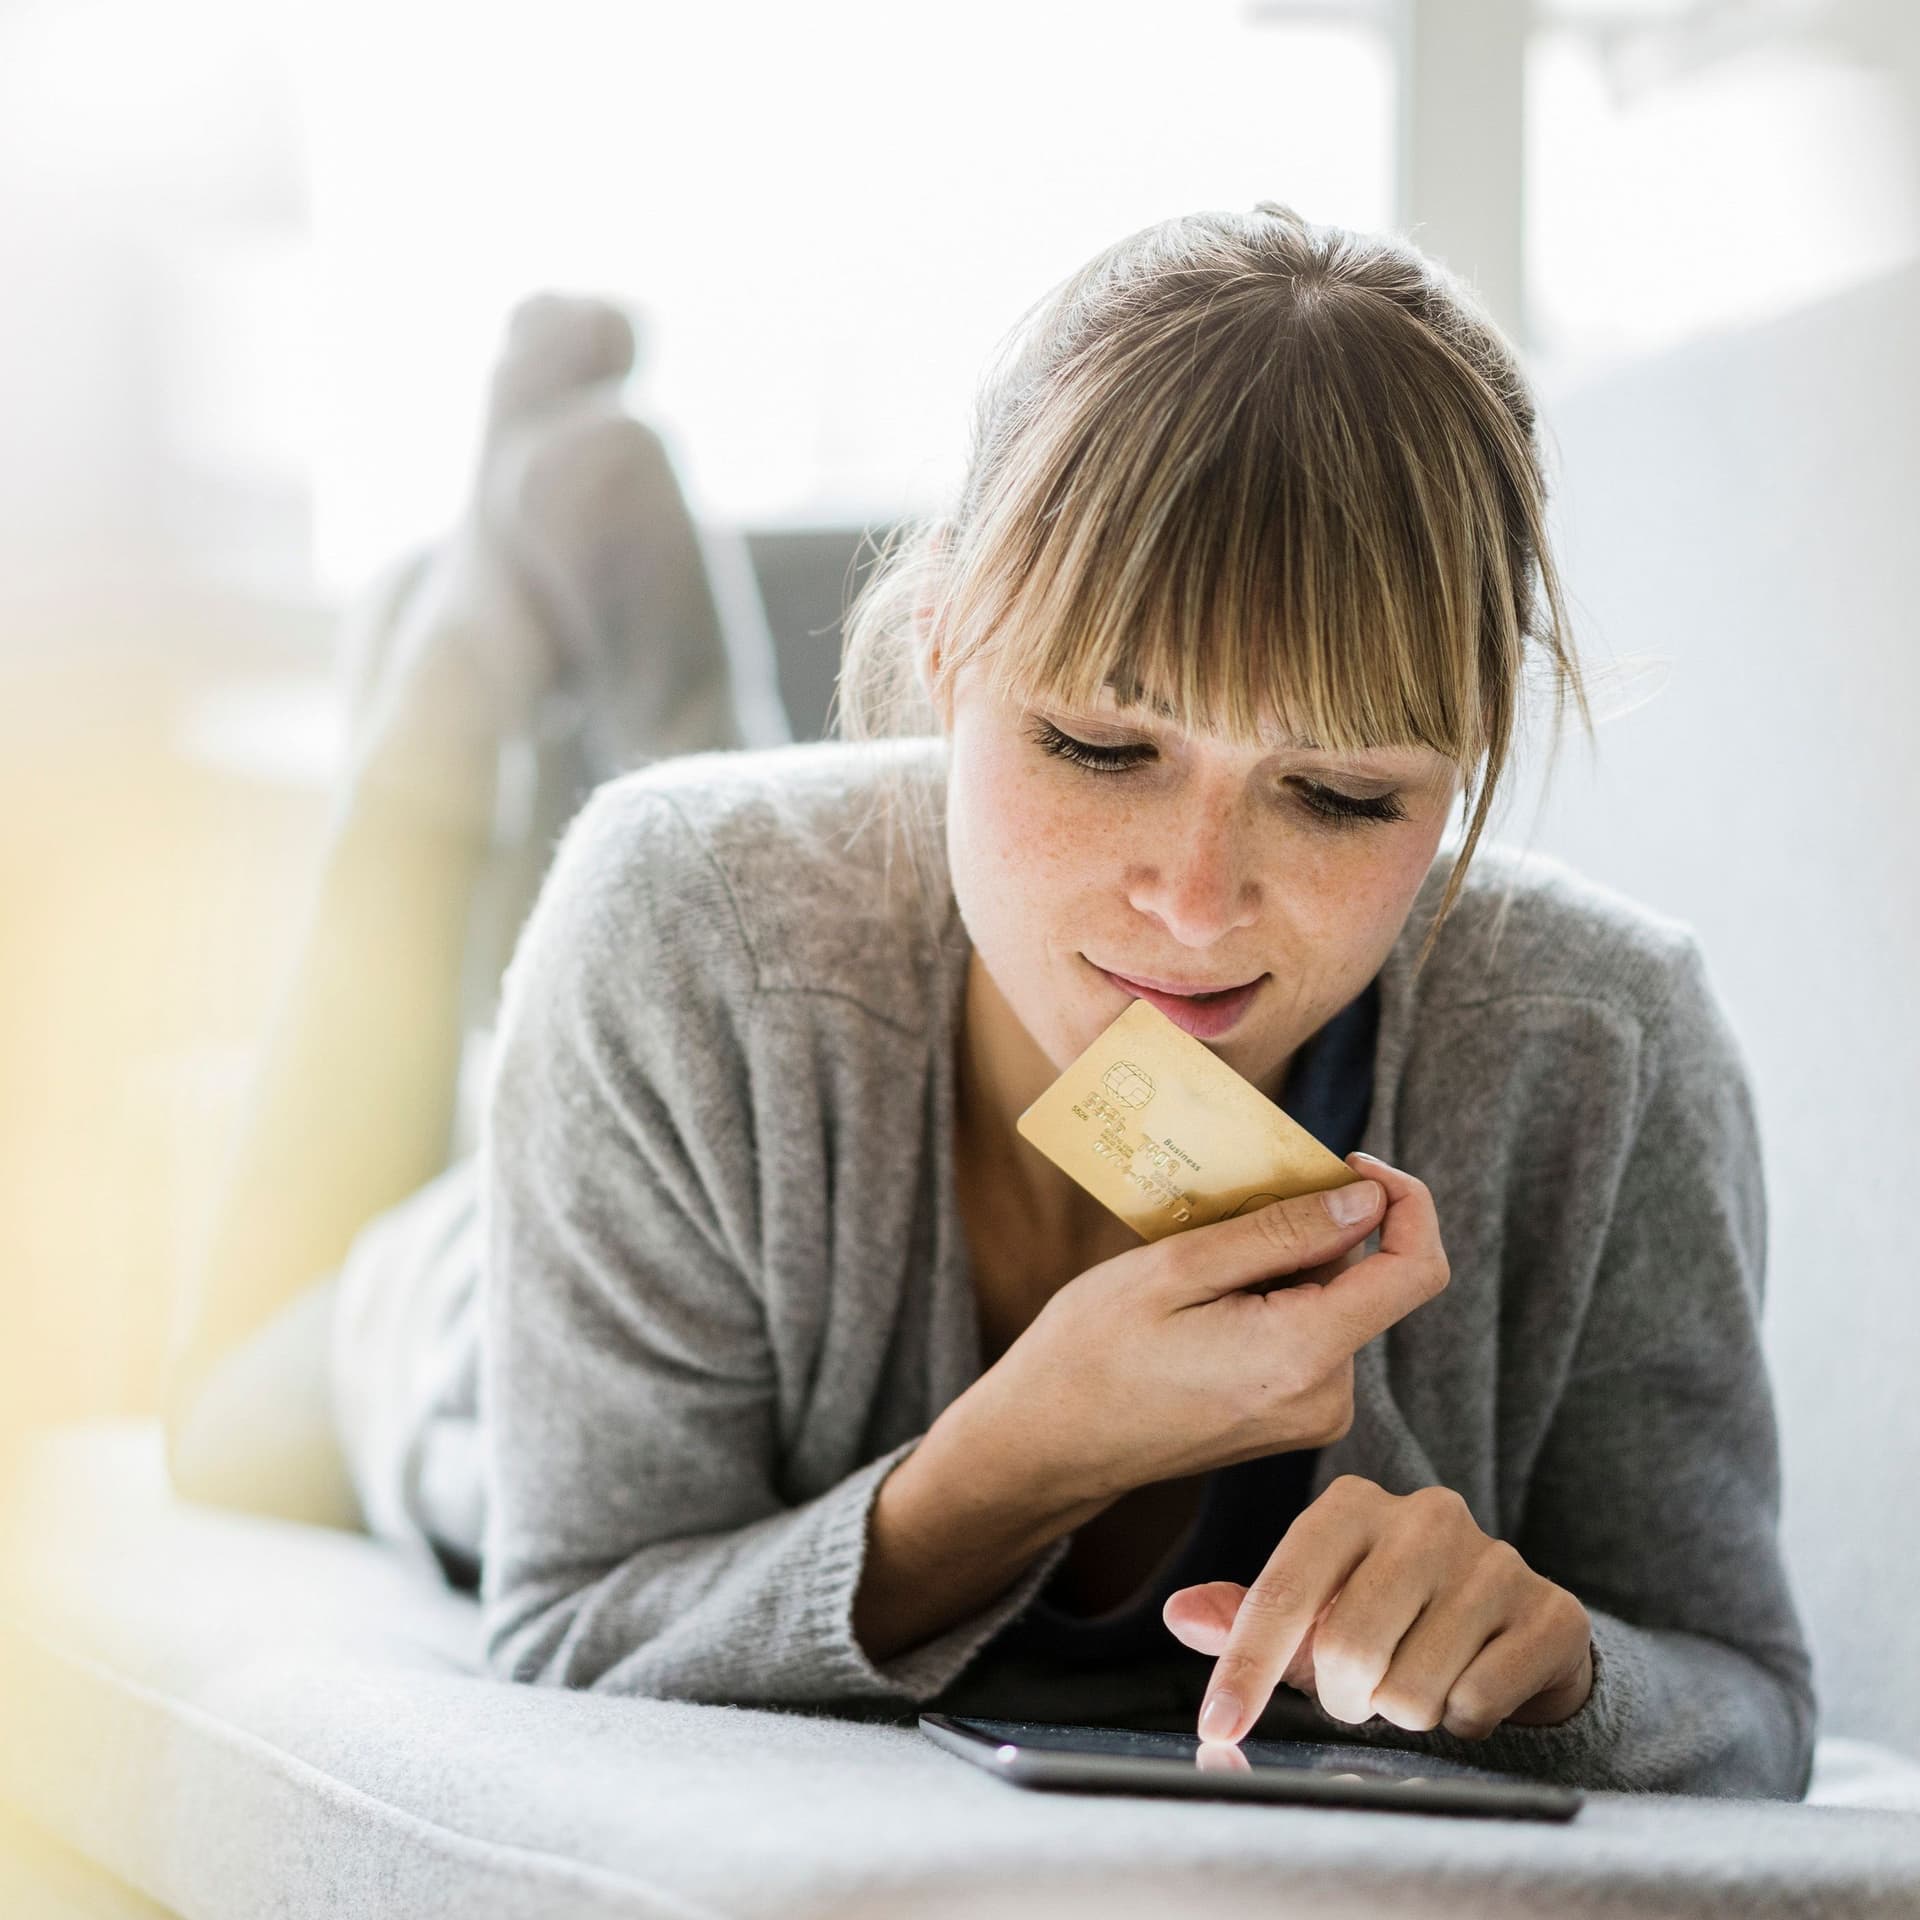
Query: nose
<point x="1202" y="885"/>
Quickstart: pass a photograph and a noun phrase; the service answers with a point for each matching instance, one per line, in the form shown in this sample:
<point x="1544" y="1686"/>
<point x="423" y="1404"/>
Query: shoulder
<point x="1562" y="1028"/>
<point x="764" y="870"/>
<point x="1526" y="924"/>
<point x="1580" y="990"/>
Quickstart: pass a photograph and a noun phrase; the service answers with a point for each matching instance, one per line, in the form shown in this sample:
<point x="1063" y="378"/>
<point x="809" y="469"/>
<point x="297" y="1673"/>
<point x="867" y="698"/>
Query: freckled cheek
<point x="1406" y="860"/>
<point x="1382" y="884"/>
<point x="1013" y="841"/>
<point x="1355" y="894"/>
<point x="1043" y="835"/>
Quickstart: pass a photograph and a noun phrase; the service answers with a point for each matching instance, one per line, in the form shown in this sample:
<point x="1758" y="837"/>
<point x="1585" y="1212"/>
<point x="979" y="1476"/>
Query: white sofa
<point x="237" y="1717"/>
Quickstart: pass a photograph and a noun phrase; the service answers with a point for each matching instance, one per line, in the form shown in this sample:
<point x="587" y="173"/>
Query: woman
<point x="794" y="1375"/>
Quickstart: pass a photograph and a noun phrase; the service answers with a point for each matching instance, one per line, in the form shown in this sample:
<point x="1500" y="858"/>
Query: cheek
<point x="1022" y="836"/>
<point x="1382" y="875"/>
<point x="1352" y="892"/>
<point x="1386" y="868"/>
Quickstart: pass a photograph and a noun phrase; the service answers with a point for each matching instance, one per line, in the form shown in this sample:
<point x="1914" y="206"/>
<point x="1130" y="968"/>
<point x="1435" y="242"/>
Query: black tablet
<point x="1034" y="1753"/>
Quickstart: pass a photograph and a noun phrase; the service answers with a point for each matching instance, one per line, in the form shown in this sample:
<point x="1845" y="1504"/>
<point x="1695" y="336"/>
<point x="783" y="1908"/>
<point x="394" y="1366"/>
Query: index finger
<point x="1313" y="1561"/>
<point x="1408" y="1270"/>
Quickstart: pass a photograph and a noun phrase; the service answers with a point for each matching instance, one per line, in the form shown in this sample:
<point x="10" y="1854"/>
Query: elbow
<point x="509" y="1649"/>
<point x="530" y="1636"/>
<point x="1775" y="1761"/>
<point x="1788" y="1673"/>
<point x="1804" y="1717"/>
<point x="549" y="1634"/>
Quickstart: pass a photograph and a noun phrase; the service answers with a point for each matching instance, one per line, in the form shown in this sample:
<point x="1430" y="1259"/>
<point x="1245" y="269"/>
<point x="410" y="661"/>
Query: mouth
<point x="1206" y="1013"/>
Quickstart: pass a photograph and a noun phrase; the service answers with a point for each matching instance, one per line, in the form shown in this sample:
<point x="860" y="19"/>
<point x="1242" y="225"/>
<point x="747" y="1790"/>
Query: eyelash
<point x="1341" y="808"/>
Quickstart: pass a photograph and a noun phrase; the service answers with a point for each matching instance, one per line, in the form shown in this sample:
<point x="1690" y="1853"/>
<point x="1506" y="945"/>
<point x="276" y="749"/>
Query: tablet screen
<point x="1051" y="1755"/>
<point x="1382" y="1762"/>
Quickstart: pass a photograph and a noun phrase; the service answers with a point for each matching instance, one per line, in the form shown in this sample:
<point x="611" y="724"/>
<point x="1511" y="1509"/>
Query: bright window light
<point x="825" y="216"/>
<point x="1718" y="195"/>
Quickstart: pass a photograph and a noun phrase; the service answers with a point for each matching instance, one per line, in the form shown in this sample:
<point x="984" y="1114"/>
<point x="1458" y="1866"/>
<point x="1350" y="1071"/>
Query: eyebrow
<point x="1132" y="694"/>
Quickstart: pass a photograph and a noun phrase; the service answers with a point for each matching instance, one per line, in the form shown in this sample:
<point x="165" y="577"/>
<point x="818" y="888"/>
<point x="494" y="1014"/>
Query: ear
<point x="926" y="664"/>
<point x="927" y="653"/>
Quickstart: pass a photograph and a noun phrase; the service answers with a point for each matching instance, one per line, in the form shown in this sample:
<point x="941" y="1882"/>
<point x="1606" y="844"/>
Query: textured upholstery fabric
<point x="242" y="1716"/>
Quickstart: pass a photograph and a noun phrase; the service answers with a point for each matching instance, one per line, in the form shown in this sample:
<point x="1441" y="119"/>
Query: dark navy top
<point x="1244" y="1508"/>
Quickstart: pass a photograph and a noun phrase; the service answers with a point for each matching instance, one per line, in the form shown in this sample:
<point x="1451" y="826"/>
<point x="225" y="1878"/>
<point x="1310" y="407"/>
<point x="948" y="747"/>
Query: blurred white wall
<point x="149" y="180"/>
<point x="1745" y="508"/>
<point x="1694" y="165"/>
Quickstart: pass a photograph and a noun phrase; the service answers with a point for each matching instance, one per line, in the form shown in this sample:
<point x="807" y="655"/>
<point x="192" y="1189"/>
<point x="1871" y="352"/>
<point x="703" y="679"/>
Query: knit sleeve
<point x="1655" y="1498"/>
<point x="638" y="1540"/>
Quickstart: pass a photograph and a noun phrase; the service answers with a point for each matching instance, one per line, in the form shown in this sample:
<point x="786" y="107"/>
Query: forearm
<point x="353" y="1096"/>
<point x="953" y="1526"/>
<point x="752" y="1613"/>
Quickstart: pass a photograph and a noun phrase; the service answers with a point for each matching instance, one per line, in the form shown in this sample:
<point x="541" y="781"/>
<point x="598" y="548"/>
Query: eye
<point x="1064" y="746"/>
<point x="1330" y="804"/>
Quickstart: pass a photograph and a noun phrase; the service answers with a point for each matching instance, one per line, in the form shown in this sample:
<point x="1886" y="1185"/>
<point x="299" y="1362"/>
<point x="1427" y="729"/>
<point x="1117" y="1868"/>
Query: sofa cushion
<point x="237" y="1715"/>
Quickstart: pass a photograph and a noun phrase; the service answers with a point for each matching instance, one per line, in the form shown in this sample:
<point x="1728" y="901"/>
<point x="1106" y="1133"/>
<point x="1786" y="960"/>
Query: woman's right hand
<point x="1165" y="1361"/>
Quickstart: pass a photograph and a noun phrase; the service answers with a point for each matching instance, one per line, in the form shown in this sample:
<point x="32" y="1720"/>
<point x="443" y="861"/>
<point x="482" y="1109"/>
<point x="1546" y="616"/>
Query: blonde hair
<point x="1243" y="465"/>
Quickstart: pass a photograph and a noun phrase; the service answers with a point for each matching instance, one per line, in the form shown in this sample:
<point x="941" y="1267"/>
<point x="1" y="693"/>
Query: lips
<point x="1204" y="1019"/>
<point x="1182" y="989"/>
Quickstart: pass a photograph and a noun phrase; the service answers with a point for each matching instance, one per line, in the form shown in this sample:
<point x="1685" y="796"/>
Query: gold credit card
<point x="1159" y="1128"/>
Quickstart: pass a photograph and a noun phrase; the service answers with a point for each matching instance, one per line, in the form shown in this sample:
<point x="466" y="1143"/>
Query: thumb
<point x="1285" y="1236"/>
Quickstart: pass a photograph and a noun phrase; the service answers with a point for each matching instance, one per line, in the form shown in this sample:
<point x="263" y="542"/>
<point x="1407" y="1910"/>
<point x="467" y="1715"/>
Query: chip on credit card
<point x="1159" y="1128"/>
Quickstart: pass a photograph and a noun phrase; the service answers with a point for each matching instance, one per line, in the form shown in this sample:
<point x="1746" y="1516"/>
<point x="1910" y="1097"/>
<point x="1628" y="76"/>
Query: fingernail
<point x="1354" y="1201"/>
<point x="1219" y="1716"/>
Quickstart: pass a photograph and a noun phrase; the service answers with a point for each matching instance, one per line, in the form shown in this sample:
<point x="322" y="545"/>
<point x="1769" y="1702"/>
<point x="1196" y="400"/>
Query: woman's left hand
<point x="1395" y="1604"/>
